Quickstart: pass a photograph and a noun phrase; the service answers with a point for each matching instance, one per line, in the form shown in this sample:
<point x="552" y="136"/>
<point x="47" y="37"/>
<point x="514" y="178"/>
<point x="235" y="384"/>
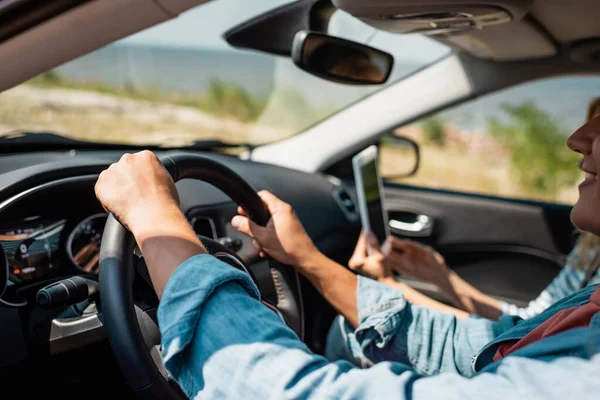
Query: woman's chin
<point x="583" y="219"/>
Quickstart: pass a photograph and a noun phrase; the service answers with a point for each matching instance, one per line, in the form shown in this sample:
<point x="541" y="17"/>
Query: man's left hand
<point x="136" y="188"/>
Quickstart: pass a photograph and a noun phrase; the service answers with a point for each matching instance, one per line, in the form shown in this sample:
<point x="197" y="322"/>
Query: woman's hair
<point x="594" y="104"/>
<point x="585" y="259"/>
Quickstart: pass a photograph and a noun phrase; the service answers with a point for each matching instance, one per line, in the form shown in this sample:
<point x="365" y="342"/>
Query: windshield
<point x="179" y="82"/>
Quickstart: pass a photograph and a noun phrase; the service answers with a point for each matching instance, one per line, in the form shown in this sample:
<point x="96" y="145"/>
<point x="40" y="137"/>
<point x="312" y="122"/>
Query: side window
<point x="511" y="143"/>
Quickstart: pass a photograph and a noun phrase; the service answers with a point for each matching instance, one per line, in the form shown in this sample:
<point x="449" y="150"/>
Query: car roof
<point x="557" y="34"/>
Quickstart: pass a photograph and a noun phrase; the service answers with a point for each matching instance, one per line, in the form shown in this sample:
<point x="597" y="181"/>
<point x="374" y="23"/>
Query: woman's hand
<point x="419" y="261"/>
<point x="405" y="257"/>
<point x="374" y="266"/>
<point x="284" y="237"/>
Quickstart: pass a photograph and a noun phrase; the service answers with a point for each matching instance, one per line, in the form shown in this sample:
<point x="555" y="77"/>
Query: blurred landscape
<point x="174" y="97"/>
<point x="142" y="94"/>
<point x="511" y="143"/>
<point x="99" y="112"/>
<point x="525" y="157"/>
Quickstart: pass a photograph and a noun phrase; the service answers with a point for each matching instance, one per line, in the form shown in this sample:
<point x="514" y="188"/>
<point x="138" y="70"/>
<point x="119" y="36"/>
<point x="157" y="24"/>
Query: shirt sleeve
<point x="518" y="378"/>
<point x="392" y="329"/>
<point x="568" y="281"/>
<point x="221" y="342"/>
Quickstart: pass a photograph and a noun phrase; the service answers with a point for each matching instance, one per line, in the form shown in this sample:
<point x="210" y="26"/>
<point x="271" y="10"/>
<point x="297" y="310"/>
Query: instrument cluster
<point x="38" y="248"/>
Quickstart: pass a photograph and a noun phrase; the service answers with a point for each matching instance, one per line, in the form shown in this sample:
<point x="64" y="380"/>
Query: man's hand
<point x="141" y="194"/>
<point x="283" y="238"/>
<point x="374" y="266"/>
<point x="137" y="189"/>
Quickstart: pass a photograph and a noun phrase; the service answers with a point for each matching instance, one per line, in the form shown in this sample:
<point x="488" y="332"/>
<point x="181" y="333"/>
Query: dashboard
<point x="51" y="227"/>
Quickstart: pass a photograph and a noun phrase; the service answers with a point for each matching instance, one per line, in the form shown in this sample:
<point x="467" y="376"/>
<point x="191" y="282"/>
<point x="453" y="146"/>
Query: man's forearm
<point x="337" y="284"/>
<point x="165" y="244"/>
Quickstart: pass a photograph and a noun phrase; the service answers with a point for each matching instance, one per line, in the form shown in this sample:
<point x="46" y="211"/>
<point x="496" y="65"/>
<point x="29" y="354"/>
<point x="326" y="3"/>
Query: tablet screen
<point x="369" y="185"/>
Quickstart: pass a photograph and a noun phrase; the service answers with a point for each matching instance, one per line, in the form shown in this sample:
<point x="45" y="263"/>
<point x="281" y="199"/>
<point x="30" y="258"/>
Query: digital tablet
<point x="369" y="192"/>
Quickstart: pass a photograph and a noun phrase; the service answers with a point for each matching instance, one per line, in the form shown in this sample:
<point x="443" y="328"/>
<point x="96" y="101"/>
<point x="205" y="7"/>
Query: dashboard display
<point x="32" y="247"/>
<point x="83" y="245"/>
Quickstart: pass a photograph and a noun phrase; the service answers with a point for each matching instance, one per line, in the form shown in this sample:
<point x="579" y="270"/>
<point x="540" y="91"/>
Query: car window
<point x="511" y="143"/>
<point x="180" y="82"/>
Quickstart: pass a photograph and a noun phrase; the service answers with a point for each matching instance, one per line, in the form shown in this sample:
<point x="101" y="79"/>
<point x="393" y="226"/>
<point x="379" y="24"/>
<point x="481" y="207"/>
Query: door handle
<point x="422" y="226"/>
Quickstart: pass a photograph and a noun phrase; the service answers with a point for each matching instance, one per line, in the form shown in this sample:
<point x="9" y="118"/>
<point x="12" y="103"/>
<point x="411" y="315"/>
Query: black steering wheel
<point x="131" y="331"/>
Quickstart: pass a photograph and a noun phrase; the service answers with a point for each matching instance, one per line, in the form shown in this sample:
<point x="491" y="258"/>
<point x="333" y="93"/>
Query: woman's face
<point x="586" y="140"/>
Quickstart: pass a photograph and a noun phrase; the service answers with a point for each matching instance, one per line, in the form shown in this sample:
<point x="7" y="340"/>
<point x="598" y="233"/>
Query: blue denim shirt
<point x="219" y="341"/>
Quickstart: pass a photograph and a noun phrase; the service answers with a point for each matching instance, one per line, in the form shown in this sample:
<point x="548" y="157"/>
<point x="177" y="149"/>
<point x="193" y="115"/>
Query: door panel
<point x="508" y="249"/>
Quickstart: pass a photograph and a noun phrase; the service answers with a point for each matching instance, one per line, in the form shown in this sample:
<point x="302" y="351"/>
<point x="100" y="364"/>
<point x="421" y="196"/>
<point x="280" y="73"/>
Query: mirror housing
<point x="399" y="157"/>
<point x="340" y="60"/>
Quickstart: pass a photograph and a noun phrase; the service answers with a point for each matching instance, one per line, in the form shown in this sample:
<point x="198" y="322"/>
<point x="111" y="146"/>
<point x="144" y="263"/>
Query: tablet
<point x="369" y="189"/>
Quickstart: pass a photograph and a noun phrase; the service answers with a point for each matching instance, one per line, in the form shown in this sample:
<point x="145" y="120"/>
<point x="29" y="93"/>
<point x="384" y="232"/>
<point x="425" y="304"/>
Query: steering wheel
<point x="132" y="333"/>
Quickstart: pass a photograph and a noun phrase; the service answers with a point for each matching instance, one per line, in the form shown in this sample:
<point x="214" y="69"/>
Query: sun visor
<point x="517" y="41"/>
<point x="489" y="29"/>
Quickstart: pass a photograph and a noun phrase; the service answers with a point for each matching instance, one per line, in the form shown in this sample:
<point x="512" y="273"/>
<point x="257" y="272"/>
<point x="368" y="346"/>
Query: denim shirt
<point x="219" y="341"/>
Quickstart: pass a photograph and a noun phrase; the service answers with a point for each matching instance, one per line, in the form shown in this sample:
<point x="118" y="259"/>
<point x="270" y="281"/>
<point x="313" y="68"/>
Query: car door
<point x="508" y="249"/>
<point x="495" y="185"/>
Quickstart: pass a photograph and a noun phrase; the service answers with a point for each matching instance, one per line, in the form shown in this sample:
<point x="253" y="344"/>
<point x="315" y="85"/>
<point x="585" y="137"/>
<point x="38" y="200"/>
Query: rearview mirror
<point x="340" y="60"/>
<point x="399" y="157"/>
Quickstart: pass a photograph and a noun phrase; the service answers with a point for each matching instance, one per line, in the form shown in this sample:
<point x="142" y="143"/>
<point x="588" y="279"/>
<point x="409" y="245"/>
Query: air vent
<point x="204" y="226"/>
<point x="346" y="203"/>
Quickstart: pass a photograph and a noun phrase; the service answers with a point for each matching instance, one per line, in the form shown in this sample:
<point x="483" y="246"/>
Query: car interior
<point x="100" y="335"/>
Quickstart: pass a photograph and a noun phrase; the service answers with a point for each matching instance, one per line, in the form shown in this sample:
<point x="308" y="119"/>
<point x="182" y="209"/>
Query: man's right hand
<point x="284" y="237"/>
<point x="285" y="240"/>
